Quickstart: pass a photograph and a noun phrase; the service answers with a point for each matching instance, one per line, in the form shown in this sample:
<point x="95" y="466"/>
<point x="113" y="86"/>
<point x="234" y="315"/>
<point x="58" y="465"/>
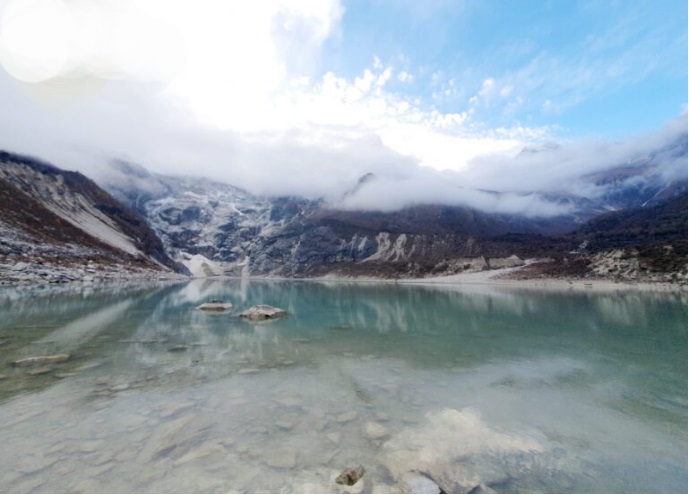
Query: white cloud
<point x="405" y="77"/>
<point x="223" y="89"/>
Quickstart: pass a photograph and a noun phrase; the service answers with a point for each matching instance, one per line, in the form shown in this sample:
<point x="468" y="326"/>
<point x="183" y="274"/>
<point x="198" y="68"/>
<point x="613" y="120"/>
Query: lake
<point x="521" y="390"/>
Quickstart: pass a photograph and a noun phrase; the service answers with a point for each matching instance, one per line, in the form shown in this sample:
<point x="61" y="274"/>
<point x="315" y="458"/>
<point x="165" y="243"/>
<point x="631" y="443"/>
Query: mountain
<point x="54" y="221"/>
<point x="213" y="228"/>
<point x="216" y="228"/>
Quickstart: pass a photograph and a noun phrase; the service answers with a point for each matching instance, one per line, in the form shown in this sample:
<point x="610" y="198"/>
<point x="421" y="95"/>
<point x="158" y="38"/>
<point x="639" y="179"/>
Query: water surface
<point x="525" y="391"/>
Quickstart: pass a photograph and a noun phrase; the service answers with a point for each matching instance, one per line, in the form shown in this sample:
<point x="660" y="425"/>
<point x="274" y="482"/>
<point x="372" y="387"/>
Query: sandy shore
<point x="495" y="278"/>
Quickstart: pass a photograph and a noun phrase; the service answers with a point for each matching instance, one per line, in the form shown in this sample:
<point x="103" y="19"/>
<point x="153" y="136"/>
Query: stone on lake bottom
<point x="346" y="417"/>
<point x="30" y="361"/>
<point x="282" y="459"/>
<point x="350" y="475"/>
<point x="418" y="483"/>
<point x="215" y="305"/>
<point x="376" y="431"/>
<point x="262" y="312"/>
<point x="481" y="488"/>
<point x="40" y="371"/>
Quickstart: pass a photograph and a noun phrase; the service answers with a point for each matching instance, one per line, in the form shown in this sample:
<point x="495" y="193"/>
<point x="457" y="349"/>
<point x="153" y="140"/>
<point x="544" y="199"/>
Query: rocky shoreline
<point x="533" y="274"/>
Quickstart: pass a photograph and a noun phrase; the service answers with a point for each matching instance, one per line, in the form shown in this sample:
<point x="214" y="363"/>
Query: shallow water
<point x="525" y="391"/>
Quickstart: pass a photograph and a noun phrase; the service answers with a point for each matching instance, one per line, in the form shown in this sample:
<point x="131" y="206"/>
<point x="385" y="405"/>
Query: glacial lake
<point x="522" y="390"/>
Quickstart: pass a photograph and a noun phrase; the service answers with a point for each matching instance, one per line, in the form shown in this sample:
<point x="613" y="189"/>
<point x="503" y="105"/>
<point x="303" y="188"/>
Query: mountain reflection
<point x="159" y="334"/>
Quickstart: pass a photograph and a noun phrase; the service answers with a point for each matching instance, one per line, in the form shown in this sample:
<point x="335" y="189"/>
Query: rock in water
<point x="262" y="312"/>
<point x="215" y="305"/>
<point x="418" y="483"/>
<point x="30" y="361"/>
<point x="481" y="488"/>
<point x="376" y="431"/>
<point x="350" y="475"/>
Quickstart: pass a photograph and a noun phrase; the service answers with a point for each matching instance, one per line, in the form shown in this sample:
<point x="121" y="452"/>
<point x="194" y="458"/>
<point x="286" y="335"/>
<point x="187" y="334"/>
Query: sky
<point x="306" y="96"/>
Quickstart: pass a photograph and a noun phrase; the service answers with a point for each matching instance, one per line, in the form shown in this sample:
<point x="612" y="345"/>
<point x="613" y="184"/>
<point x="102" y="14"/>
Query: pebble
<point x="282" y="459"/>
<point x="120" y="387"/>
<point x="33" y="463"/>
<point x="346" y="417"/>
<point x="203" y="451"/>
<point x="247" y="371"/>
<point x="30" y="361"/>
<point x="381" y="416"/>
<point x="350" y="476"/>
<point x="40" y="371"/>
<point x="175" y="409"/>
<point x="288" y="401"/>
<point x="418" y="483"/>
<point x="376" y="431"/>
<point x="65" y="374"/>
<point x="90" y="446"/>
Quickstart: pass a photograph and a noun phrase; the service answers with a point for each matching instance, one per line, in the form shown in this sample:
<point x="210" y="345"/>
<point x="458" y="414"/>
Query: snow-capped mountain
<point x="52" y="217"/>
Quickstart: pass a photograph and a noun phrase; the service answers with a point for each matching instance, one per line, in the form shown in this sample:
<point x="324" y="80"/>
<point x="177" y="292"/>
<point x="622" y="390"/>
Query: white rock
<point x="333" y="437"/>
<point x="262" y="312"/>
<point x="203" y="451"/>
<point x="418" y="483"/>
<point x="375" y="431"/>
<point x="21" y="266"/>
<point x="215" y="306"/>
<point x="283" y="459"/>
<point x="346" y="417"/>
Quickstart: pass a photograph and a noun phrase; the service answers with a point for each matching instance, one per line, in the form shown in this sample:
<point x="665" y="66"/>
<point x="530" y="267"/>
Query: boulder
<point x="262" y="312"/>
<point x="215" y="305"/>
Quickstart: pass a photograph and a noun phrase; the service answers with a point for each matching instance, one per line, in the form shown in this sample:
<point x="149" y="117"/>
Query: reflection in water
<point x="521" y="390"/>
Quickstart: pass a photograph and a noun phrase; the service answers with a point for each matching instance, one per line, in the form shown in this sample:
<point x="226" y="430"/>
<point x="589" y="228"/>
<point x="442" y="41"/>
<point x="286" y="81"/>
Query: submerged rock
<point x="262" y="312"/>
<point x="376" y="431"/>
<point x="40" y="371"/>
<point x="416" y="482"/>
<point x="481" y="488"/>
<point x="282" y="459"/>
<point x="346" y="417"/>
<point x="350" y="475"/>
<point x="31" y="361"/>
<point x="215" y="305"/>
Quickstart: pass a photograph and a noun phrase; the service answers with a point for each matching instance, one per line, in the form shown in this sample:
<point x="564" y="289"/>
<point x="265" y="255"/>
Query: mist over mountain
<point x="237" y="231"/>
<point x="546" y="182"/>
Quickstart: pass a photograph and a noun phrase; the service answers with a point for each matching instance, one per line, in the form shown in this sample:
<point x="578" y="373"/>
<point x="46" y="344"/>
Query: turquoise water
<point x="525" y="391"/>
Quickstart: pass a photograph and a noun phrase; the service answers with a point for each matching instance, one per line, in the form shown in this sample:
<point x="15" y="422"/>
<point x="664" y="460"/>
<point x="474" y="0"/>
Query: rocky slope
<point x="644" y="244"/>
<point x="57" y="225"/>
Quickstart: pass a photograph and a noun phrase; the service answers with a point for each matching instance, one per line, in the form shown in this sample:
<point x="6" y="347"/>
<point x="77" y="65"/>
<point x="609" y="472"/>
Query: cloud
<point x="560" y="168"/>
<point x="229" y="91"/>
